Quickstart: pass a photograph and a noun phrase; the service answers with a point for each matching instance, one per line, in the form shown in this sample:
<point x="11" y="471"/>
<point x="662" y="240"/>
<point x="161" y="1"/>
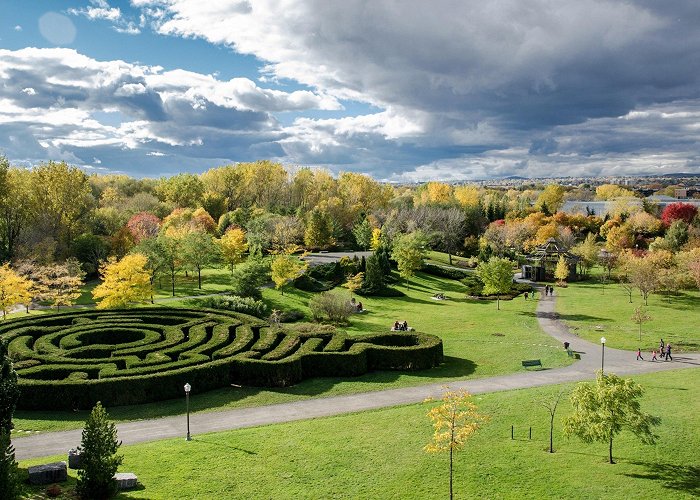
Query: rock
<point x="55" y="472"/>
<point x="126" y="480"/>
<point x="74" y="459"/>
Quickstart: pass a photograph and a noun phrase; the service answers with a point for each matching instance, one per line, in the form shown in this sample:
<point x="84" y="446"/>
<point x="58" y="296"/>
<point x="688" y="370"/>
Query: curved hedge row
<point x="72" y="360"/>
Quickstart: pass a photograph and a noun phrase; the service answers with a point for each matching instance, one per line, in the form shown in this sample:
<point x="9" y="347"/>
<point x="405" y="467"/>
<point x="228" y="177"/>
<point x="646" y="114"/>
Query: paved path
<point x="619" y="362"/>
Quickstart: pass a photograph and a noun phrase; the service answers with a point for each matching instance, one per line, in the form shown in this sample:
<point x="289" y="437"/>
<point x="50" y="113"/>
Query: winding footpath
<point x="616" y="361"/>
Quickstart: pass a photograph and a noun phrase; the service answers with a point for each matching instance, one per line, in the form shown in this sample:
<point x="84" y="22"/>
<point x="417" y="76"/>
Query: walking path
<point x="619" y="362"/>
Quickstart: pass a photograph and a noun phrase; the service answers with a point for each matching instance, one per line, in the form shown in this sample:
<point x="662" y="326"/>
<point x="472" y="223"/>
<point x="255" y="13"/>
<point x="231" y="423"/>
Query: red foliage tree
<point x="143" y="225"/>
<point x="678" y="211"/>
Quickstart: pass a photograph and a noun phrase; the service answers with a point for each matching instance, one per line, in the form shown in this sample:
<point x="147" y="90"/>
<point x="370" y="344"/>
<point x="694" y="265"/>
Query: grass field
<point x="479" y="341"/>
<point x="378" y="454"/>
<point x="592" y="312"/>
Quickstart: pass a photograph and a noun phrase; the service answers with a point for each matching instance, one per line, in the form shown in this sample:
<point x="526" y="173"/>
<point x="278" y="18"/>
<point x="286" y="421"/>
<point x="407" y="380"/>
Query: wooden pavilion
<point x="543" y="262"/>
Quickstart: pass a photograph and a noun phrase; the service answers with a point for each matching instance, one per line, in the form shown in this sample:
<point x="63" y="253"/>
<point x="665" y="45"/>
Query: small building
<point x="543" y="262"/>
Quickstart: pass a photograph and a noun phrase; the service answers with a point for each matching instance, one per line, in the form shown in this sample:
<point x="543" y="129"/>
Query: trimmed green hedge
<point x="445" y="272"/>
<point x="142" y="355"/>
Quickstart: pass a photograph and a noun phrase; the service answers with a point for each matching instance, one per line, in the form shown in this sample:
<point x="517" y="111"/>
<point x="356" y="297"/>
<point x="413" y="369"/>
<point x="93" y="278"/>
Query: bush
<point x="332" y="306"/>
<point x="309" y="284"/>
<point x="475" y="288"/>
<point x="98" y="454"/>
<point x="245" y="305"/>
<point x="247" y="278"/>
<point x="9" y="483"/>
<point x="444" y="272"/>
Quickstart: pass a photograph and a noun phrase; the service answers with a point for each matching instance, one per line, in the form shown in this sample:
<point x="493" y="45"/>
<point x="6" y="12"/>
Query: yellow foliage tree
<point x="454" y="421"/>
<point x="606" y="192"/>
<point x="467" y="196"/>
<point x="436" y="193"/>
<point x="354" y="283"/>
<point x="124" y="282"/>
<point x="14" y="289"/>
<point x="551" y="199"/>
<point x="562" y="270"/>
<point x="285" y="268"/>
<point x="376" y="238"/>
<point x="233" y="246"/>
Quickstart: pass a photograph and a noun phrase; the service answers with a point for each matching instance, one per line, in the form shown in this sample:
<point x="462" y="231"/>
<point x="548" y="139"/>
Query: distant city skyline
<point x="403" y="91"/>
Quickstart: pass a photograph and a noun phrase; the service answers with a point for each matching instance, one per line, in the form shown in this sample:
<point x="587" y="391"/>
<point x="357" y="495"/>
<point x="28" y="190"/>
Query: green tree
<point x="285" y="268"/>
<point x="183" y="190"/>
<point x="373" y="280"/>
<point x="9" y="480"/>
<point x="15" y="207"/>
<point x="606" y="408"/>
<point x="199" y="251"/>
<point x="171" y="255"/>
<point x="640" y="317"/>
<point x="156" y="257"/>
<point x="408" y="252"/>
<point x="100" y="461"/>
<point x="248" y="277"/>
<point x="497" y="275"/>
<point x="587" y="251"/>
<point x="454" y="421"/>
<point x="319" y="229"/>
<point x="354" y="282"/>
<point x="363" y="234"/>
<point x="9" y="390"/>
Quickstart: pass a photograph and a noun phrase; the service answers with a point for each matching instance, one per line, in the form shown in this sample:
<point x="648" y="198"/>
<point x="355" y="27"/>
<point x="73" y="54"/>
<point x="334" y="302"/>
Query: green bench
<point x="532" y="362"/>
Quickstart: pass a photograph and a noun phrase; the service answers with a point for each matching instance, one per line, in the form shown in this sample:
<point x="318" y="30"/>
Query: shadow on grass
<point x="565" y="317"/>
<point x="219" y="444"/>
<point x="685" y="478"/>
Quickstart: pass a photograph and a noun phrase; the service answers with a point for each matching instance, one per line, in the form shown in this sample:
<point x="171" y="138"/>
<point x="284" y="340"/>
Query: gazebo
<point x="543" y="261"/>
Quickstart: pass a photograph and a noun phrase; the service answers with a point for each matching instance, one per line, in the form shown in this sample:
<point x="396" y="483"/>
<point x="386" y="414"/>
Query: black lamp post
<point x="188" y="388"/>
<point x="602" y="356"/>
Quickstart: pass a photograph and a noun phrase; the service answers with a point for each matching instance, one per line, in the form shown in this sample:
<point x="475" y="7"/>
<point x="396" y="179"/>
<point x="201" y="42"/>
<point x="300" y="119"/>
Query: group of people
<point x="357" y="305"/>
<point x="400" y="326"/>
<point x="548" y="290"/>
<point x="664" y="352"/>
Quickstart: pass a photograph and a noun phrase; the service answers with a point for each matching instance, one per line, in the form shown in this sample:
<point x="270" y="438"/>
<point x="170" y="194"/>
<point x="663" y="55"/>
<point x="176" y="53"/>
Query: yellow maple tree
<point x="124" y="282"/>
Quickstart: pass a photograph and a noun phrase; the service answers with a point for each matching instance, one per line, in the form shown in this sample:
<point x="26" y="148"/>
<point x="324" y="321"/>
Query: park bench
<point x="532" y="362"/>
<point x="573" y="354"/>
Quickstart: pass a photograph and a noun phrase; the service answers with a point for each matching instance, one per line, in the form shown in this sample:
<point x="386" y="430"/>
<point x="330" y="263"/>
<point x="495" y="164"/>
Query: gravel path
<point x="617" y="361"/>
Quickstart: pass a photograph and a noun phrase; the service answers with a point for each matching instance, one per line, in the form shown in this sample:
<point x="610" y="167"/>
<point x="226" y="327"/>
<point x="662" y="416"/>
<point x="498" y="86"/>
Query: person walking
<point x="653" y="355"/>
<point x="526" y="294"/>
<point x="639" y="354"/>
<point x="668" y="352"/>
<point x="661" y="347"/>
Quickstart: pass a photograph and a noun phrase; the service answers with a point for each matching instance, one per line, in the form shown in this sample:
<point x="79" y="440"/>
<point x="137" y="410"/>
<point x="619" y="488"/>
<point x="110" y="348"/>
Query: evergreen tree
<point x="374" y="276"/>
<point x="9" y="391"/>
<point x="9" y="484"/>
<point x="99" y="456"/>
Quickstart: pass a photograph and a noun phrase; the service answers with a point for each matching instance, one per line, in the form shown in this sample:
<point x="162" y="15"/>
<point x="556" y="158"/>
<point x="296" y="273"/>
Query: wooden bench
<point x="532" y="362"/>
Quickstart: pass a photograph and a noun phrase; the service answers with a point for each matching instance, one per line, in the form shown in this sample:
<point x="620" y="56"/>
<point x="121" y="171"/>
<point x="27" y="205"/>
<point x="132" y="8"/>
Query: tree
<point x="285" y="268"/>
<point x="587" y="251"/>
<point x="363" y="234"/>
<point x="334" y="306"/>
<point x="409" y="252"/>
<point x="15" y="207"/>
<point x="643" y="273"/>
<point x="603" y="410"/>
<point x="354" y="282"/>
<point x="319" y="230"/>
<point x="9" y="390"/>
<point x="451" y="223"/>
<point x="199" y="252"/>
<point x="678" y="211"/>
<point x="233" y="246"/>
<point x="497" y="275"/>
<point x="247" y="278"/>
<point x="373" y="280"/>
<point x="124" y="282"/>
<point x="156" y="257"/>
<point x="454" y="421"/>
<point x="183" y="190"/>
<point x="376" y="240"/>
<point x="562" y="270"/>
<point x="143" y="226"/>
<point x="640" y="317"/>
<point x="9" y="480"/>
<point x="91" y="251"/>
<point x="98" y="453"/>
<point x="14" y="289"/>
<point x="551" y="199"/>
<point x="171" y="254"/>
<point x="676" y="235"/>
<point x="61" y="283"/>
<point x="551" y="406"/>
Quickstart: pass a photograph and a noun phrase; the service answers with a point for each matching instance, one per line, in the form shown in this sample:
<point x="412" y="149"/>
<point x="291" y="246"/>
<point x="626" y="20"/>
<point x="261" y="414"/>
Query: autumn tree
<point x="611" y="191"/>
<point x="587" y="251"/>
<point x="183" y="190"/>
<point x="98" y="454"/>
<point x="409" y="252"/>
<point x="606" y="408"/>
<point x="561" y="272"/>
<point x="233" y="246"/>
<point x="454" y="421"/>
<point x="319" y="230"/>
<point x="497" y="275"/>
<point x="450" y="223"/>
<point x="124" y="282"/>
<point x="286" y="268"/>
<point x="679" y="211"/>
<point x="551" y="199"/>
<point x="61" y="283"/>
<point x="14" y="289"/>
<point x="143" y="226"/>
<point x="354" y="282"/>
<point x="287" y="234"/>
<point x="642" y="273"/>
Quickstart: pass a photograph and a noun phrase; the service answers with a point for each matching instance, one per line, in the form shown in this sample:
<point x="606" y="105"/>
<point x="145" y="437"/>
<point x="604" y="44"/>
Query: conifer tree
<point x="100" y="461"/>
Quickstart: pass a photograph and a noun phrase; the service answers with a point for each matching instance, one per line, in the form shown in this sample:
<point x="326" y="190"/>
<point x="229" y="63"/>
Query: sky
<point x="403" y="90"/>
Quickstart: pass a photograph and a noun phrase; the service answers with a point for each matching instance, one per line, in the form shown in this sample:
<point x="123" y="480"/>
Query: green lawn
<point x="592" y="312"/>
<point x="479" y="341"/>
<point x="378" y="454"/>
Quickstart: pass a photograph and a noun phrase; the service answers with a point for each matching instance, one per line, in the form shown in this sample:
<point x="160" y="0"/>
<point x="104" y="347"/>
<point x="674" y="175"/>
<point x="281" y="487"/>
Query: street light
<point x="602" y="357"/>
<point x="188" y="388"/>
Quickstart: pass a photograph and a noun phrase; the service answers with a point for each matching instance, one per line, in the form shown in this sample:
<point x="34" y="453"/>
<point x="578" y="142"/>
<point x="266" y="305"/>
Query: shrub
<point x="444" y="272"/>
<point x="310" y="284"/>
<point x="98" y="454"/>
<point x="9" y="484"/>
<point x="235" y="303"/>
<point x="332" y="306"/>
<point x="247" y="278"/>
<point x="475" y="288"/>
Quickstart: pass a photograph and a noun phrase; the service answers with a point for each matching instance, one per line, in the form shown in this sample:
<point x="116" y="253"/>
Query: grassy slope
<point x="466" y="327"/>
<point x="585" y="306"/>
<point x="378" y="454"/>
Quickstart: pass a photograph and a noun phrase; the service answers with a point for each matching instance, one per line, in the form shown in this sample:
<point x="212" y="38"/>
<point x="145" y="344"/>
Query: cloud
<point x="476" y="76"/>
<point x="18" y="27"/>
<point x="101" y="10"/>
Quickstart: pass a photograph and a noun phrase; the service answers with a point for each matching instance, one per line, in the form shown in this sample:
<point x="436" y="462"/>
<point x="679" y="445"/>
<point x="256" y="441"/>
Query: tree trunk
<point x="172" y="281"/>
<point x="498" y="302"/>
<point x="199" y="277"/>
<point x="449" y="256"/>
<point x="551" y="434"/>
<point x="610" y="451"/>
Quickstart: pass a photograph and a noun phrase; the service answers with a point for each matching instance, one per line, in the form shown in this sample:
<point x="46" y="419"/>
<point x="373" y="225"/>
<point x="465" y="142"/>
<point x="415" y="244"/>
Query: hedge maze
<point x="72" y="360"/>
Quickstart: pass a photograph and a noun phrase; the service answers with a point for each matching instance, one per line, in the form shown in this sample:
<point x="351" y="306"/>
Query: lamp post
<point x="602" y="356"/>
<point x="188" y="388"/>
